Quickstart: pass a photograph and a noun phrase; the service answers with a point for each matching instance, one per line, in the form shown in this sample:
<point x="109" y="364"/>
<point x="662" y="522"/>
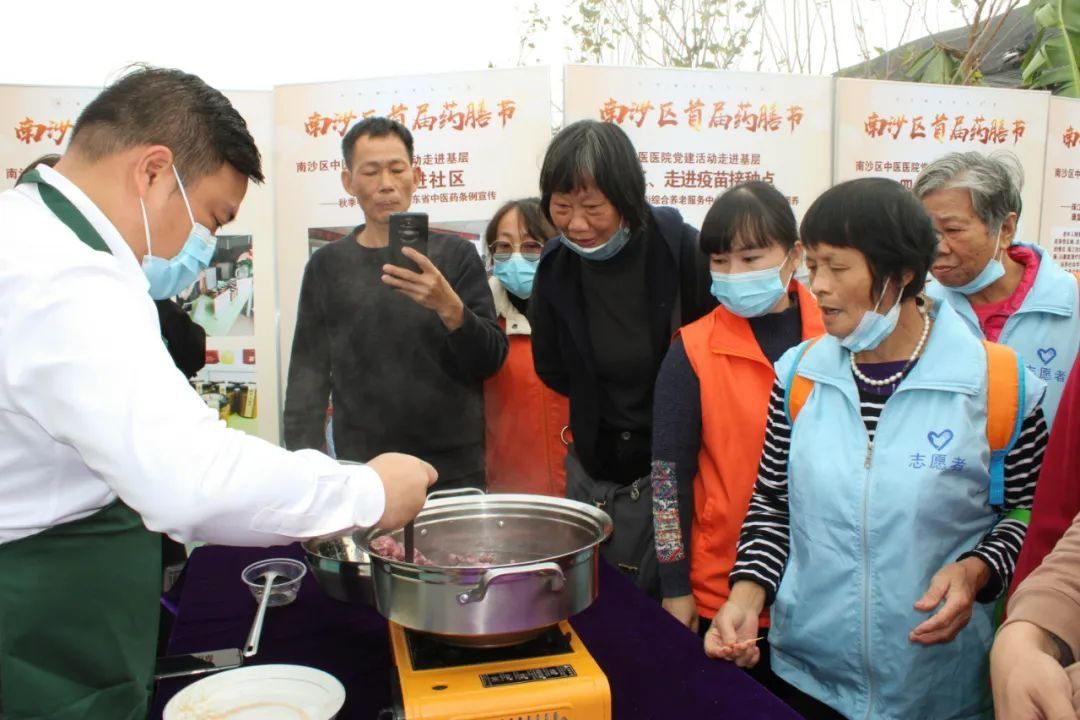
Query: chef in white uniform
<point x="103" y="443"/>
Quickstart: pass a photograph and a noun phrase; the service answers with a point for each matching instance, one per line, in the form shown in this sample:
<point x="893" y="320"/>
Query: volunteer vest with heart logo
<point x="1045" y="330"/>
<point x="871" y="525"/>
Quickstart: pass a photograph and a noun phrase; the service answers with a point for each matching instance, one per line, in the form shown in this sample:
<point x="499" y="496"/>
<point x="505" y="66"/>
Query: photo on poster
<point x="470" y="230"/>
<point x="228" y="384"/>
<point x="222" y="300"/>
<point x="237" y="403"/>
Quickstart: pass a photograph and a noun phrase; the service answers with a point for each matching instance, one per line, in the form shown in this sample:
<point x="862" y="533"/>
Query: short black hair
<point x="161" y="106"/>
<point x="375" y="127"/>
<point x="750" y="215"/>
<point x="881" y="219"/>
<point x="535" y="223"/>
<point x="590" y="151"/>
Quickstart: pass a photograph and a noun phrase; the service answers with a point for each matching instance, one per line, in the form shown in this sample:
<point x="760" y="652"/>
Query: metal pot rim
<point x="481" y="504"/>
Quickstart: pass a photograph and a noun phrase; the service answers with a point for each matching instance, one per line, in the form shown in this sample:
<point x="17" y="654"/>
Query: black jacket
<point x="678" y="280"/>
<point x="184" y="338"/>
<point x="400" y="381"/>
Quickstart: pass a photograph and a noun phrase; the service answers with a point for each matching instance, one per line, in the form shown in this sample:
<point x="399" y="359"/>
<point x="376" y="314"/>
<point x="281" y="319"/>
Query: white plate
<point x="260" y="692"/>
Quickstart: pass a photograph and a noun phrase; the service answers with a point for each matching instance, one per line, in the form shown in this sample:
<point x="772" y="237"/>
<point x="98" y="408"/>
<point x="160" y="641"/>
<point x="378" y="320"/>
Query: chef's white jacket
<point x="92" y="407"/>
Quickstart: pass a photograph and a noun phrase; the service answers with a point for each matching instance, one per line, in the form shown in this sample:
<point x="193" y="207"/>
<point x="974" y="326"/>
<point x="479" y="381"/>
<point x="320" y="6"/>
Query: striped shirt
<point x="763" y="544"/>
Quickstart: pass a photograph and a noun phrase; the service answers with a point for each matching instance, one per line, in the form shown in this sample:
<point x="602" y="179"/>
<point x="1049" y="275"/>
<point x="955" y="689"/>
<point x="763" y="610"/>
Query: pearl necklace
<point x="893" y="379"/>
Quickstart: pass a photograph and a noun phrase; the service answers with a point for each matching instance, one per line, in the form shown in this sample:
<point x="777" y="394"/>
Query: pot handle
<point x="552" y="569"/>
<point x="454" y="493"/>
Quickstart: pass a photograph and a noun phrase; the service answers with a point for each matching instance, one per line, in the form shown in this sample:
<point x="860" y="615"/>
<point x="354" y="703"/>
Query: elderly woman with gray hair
<point x="1007" y="291"/>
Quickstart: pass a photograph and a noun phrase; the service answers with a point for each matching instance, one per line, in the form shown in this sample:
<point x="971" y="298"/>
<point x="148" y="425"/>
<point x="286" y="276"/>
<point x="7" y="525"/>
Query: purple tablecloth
<point x="655" y="667"/>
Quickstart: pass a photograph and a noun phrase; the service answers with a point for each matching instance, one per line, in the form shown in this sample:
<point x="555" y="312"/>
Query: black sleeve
<point x="185" y="338"/>
<point x="676" y="442"/>
<point x="307" y="394"/>
<point x="479" y="347"/>
<point x="1000" y="547"/>
<point x="547" y="357"/>
<point x="696" y="281"/>
<point x="764" y="542"/>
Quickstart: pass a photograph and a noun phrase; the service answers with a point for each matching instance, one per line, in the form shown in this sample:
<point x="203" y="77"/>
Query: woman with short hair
<point x="623" y="277"/>
<point x="878" y="532"/>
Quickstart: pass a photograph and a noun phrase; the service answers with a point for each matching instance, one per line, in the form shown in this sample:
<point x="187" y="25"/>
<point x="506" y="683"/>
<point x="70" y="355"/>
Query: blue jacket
<point x="870" y="524"/>
<point x="678" y="286"/>
<point x="1045" y="331"/>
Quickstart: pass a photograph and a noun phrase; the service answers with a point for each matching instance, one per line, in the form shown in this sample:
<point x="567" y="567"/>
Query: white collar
<point x="516" y="323"/>
<point x="112" y="237"/>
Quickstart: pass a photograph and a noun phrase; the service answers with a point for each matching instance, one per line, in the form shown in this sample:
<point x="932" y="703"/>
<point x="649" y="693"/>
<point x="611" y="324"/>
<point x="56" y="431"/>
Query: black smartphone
<point x="197" y="663"/>
<point x="408" y="229"/>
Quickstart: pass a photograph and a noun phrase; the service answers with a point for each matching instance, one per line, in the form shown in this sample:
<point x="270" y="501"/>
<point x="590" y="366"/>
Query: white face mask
<point x="168" y="276"/>
<point x="990" y="274"/>
<point x="874" y="327"/>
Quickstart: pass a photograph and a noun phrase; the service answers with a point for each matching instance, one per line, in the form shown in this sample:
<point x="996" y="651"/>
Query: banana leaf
<point x="1055" y="62"/>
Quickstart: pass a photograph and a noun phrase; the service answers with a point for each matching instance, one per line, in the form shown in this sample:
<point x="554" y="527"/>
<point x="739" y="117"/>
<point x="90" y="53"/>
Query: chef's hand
<point x="957" y="584"/>
<point x="1026" y="675"/>
<point x="405" y="480"/>
<point x="427" y="288"/>
<point x="733" y="633"/>
<point x="684" y="609"/>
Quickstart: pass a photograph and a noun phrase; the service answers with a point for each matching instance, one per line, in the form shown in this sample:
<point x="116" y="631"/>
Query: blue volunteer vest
<point x="872" y="524"/>
<point x="1045" y="330"/>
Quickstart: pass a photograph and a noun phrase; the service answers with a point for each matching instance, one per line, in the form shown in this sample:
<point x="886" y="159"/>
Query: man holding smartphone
<point x="402" y="354"/>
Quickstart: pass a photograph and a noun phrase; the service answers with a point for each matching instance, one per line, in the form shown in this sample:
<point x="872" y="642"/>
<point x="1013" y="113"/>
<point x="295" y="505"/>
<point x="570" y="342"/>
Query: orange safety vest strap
<point x="798" y="387"/>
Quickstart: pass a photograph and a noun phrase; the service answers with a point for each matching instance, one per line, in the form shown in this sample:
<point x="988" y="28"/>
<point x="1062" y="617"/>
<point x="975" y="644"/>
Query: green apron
<point x="79" y="601"/>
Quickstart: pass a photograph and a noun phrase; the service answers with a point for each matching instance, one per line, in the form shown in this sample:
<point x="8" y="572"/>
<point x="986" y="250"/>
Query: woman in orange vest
<point x="712" y="396"/>
<point x="524" y="419"/>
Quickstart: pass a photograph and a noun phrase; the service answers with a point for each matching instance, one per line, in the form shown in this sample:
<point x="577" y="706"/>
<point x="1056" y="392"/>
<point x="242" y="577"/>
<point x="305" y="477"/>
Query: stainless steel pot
<point x="342" y="568"/>
<point x="544" y="569"/>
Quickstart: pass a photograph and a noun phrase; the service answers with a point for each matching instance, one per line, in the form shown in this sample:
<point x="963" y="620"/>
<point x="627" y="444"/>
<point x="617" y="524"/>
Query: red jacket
<point x="735" y="379"/>
<point x="523" y="418"/>
<point x="1057" y="494"/>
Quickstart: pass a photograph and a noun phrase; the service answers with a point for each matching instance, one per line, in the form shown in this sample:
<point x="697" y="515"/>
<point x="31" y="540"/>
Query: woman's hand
<point x="1028" y="680"/>
<point x="684" y="609"/>
<point x="957" y="584"/>
<point x="733" y="633"/>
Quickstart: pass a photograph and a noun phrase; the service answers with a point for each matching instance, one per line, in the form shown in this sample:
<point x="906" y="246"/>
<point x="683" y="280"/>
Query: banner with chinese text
<point x="479" y="139"/>
<point x="1061" y="188"/>
<point x="893" y="129"/>
<point x="699" y="132"/>
<point x="37" y="121"/>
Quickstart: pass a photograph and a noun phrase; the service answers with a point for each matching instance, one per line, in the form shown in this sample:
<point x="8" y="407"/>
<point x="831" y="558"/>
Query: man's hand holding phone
<point x="423" y="284"/>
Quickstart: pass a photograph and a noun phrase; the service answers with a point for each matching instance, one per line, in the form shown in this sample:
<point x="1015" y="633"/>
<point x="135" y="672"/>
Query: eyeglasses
<point x="530" y="250"/>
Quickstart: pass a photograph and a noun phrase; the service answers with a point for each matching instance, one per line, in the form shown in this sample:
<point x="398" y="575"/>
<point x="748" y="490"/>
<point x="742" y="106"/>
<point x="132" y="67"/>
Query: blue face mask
<point x="874" y="327"/>
<point x="602" y="252"/>
<point x="750" y="294"/>
<point x="990" y="274"/>
<point x="168" y="277"/>
<point x="516" y="274"/>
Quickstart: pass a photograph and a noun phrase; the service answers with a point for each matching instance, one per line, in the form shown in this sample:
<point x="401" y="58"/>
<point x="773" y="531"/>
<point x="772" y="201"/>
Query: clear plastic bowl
<point x="290" y="573"/>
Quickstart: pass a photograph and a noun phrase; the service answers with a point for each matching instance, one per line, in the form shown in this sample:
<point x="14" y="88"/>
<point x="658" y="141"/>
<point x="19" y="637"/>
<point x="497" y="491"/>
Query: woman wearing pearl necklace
<point x="876" y="533"/>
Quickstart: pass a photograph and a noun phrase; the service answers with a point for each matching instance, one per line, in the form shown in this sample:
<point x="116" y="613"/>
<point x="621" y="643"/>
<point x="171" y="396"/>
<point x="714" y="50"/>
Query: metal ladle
<point x="252" y="645"/>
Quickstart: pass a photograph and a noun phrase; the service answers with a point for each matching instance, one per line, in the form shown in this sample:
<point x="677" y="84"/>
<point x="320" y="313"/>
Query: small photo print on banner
<point x="228" y="383"/>
<point x="222" y="300"/>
